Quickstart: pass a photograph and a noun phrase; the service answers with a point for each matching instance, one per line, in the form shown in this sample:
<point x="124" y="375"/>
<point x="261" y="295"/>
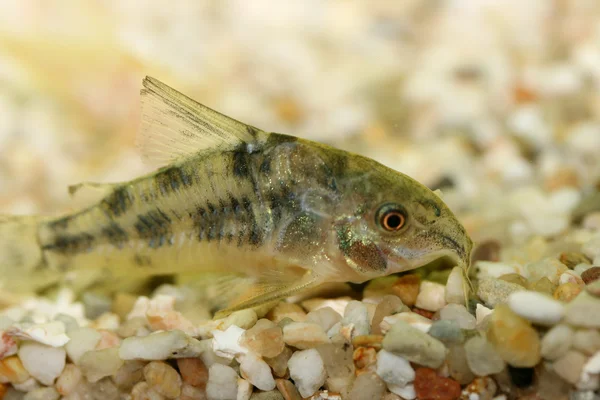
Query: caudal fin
<point x="22" y="265"/>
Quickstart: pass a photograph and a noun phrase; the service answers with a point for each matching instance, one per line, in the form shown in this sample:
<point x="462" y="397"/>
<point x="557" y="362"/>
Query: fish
<point x="283" y="213"/>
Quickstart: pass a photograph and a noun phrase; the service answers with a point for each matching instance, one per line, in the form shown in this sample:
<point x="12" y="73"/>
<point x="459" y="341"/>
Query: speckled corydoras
<point x="287" y="213"/>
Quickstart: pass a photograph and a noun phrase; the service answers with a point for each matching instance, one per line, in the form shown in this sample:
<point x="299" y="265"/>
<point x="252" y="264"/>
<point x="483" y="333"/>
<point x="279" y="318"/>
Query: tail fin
<point x="22" y="265"/>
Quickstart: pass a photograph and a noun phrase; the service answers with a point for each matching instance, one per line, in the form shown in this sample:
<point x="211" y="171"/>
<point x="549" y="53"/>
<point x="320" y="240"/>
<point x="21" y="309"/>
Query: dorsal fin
<point x="174" y="126"/>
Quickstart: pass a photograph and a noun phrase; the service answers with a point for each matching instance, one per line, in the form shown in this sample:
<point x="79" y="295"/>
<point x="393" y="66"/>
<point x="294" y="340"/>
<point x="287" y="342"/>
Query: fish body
<point x="287" y="213"/>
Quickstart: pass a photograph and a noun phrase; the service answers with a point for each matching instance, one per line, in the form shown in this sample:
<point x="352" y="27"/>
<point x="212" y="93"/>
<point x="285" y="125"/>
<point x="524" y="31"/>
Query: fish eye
<point x="391" y="217"/>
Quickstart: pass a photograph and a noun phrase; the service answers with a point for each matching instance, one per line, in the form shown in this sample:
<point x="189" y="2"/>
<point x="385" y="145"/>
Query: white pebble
<point x="536" y="307"/>
<point x="244" y="389"/>
<point x="160" y="346"/>
<point x="393" y="369"/>
<point x="308" y="371"/>
<point x="43" y="362"/>
<point x="455" y="286"/>
<point x="326" y="317"/>
<point x="481" y="312"/>
<point x="413" y="319"/>
<point x="255" y="370"/>
<point x="50" y="333"/>
<point x="459" y="314"/>
<point x="431" y="297"/>
<point x="227" y="343"/>
<point x="556" y="342"/>
<point x="406" y="392"/>
<point x="357" y="314"/>
<point x="222" y="383"/>
<point x="491" y="269"/>
<point x="82" y="340"/>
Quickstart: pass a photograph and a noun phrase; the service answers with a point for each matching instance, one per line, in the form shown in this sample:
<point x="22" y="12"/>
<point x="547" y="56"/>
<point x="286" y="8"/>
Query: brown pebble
<point x="3" y="390"/>
<point x="287" y="310"/>
<point x="287" y="389"/>
<point x="424" y="313"/>
<point x="431" y="386"/>
<point x="368" y="341"/>
<point x="571" y="259"/>
<point x="484" y="388"/>
<point x="488" y="250"/>
<point x="407" y="288"/>
<point x="193" y="371"/>
<point x="163" y="378"/>
<point x="567" y="291"/>
<point x="364" y="358"/>
<point x="590" y="275"/>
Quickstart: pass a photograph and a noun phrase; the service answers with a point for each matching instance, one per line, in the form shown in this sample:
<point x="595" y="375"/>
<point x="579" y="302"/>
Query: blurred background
<point x="495" y="102"/>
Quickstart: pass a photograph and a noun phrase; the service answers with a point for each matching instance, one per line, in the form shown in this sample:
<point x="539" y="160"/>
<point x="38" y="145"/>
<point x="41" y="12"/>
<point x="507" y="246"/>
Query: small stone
<point x="394" y="369"/>
<point x="82" y="340"/>
<point x="459" y="314"/>
<point x="515" y="278"/>
<point x="222" y="383"/>
<point x="593" y="288"/>
<point x="189" y="392"/>
<point x="160" y="346"/>
<point x="567" y="292"/>
<point x="308" y="371"/>
<point x="227" y="344"/>
<point x="271" y="395"/>
<point x="414" y="345"/>
<point x="572" y="259"/>
<point x="288" y="390"/>
<point x="364" y="359"/>
<point x="544" y="286"/>
<point x="590" y="275"/>
<point x="569" y="366"/>
<point x="43" y="362"/>
<point x="50" y="333"/>
<point x="488" y="269"/>
<point x="27" y="386"/>
<point x="12" y="370"/>
<point x="326" y="317"/>
<point x="163" y="378"/>
<point x="429" y="385"/>
<point x="244" y="319"/>
<point x="495" y="291"/>
<point x="279" y="364"/>
<point x="265" y="338"/>
<point x="483" y="360"/>
<point x="404" y="392"/>
<point x="43" y="393"/>
<point x="488" y="250"/>
<point x="456" y="286"/>
<point x="357" y="316"/>
<point x="550" y="268"/>
<point x="458" y="367"/>
<point x="413" y="319"/>
<point x="143" y="391"/>
<point x="373" y="341"/>
<point x="367" y="386"/>
<point x="550" y="386"/>
<point x="387" y="306"/>
<point x="137" y="326"/>
<point x="68" y="379"/>
<point x="130" y="373"/>
<point x="482" y="388"/>
<point x="256" y="371"/>
<point x="108" y="340"/>
<point x="536" y="307"/>
<point x="583" y="311"/>
<point x="338" y="359"/>
<point x="244" y="389"/>
<point x="432" y="296"/>
<point x="556" y="342"/>
<point x="287" y="310"/>
<point x="122" y="304"/>
<point x="304" y="335"/>
<point x="514" y="338"/>
<point x="587" y="341"/>
<point x="407" y="289"/>
<point x="376" y="288"/>
<point x="446" y="331"/>
<point x="481" y="312"/>
<point x="98" y="364"/>
<point x="193" y="371"/>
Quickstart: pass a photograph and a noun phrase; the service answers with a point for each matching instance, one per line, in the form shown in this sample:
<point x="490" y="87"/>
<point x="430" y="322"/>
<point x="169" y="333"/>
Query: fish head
<point x="388" y="222"/>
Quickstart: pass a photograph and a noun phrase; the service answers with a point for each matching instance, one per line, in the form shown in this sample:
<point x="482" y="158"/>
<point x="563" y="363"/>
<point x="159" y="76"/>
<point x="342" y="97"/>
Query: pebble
<point x="304" y="335"/>
<point x="459" y="314"/>
<point x="407" y="392"/>
<point x="590" y="275"/>
<point x="326" y="317"/>
<point x="193" y="371"/>
<point x="429" y="385"/>
<point x="413" y="319"/>
<point x="12" y="370"/>
<point x="482" y="388"/>
<point x="130" y="373"/>
<point x="583" y="311"/>
<point x="27" y="386"/>
<point x="244" y="389"/>
<point x="279" y="364"/>
<point x="458" y="367"/>
<point x="407" y="289"/>
<point x="550" y="268"/>
<point x="414" y="345"/>
<point x="8" y="345"/>
<point x="44" y="363"/>
<point x="514" y="338"/>
<point x="163" y="378"/>
<point x="567" y="292"/>
<point x="387" y="306"/>
<point x="536" y="307"/>
<point x="265" y="338"/>
<point x="593" y="288"/>
<point x="68" y="379"/>
<point x="572" y="259"/>
<point x="287" y="310"/>
<point x="367" y="386"/>
<point x="488" y="250"/>
<point x="456" y="287"/>
<point x="143" y="391"/>
<point x="515" y="278"/>
<point x="189" y="392"/>
<point x="365" y="359"/>
<point x="256" y="371"/>
<point x="481" y="312"/>
<point x="288" y="390"/>
<point x="244" y="319"/>
<point x="394" y="369"/>
<point x="272" y="395"/>
<point x="50" y="333"/>
<point x="356" y="315"/>
<point x="160" y="346"/>
<point x="569" y="366"/>
<point x="446" y="331"/>
<point x="489" y="269"/>
<point x="543" y="285"/>
<point x="496" y="291"/>
<point x="308" y="371"/>
<point x="97" y="364"/>
<point x="587" y="341"/>
<point x="81" y="341"/>
<point x="556" y="342"/>
<point x="432" y="296"/>
<point x="338" y="359"/>
<point x="222" y="383"/>
<point x="43" y="393"/>
<point x="482" y="358"/>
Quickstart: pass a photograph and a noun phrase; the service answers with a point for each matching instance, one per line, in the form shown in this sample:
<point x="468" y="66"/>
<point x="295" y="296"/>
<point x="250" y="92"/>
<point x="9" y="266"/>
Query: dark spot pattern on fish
<point x="239" y="163"/>
<point x="172" y="179"/>
<point x="115" y="235"/>
<point x="252" y="131"/>
<point x="155" y="227"/>
<point x="117" y="203"/>
<point x="142" y="260"/>
<point x="278" y="138"/>
<point x="71" y="244"/>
